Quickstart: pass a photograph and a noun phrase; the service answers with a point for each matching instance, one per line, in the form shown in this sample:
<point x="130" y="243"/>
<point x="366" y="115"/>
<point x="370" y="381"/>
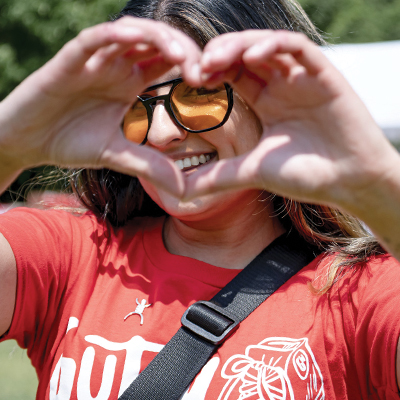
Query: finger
<point x="190" y="67"/>
<point x="128" y="158"/>
<point x="284" y="63"/>
<point x="235" y="173"/>
<point x="158" y="35"/>
<point x="74" y="55"/>
<point x="302" y="49"/>
<point x="175" y="46"/>
<point x="135" y="53"/>
<point x="249" y="84"/>
<point x="256" y="47"/>
<point x="221" y="52"/>
<point x="140" y="51"/>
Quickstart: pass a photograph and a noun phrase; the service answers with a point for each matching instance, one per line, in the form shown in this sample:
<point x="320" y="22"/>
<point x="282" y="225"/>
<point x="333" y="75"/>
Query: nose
<point x="163" y="129"/>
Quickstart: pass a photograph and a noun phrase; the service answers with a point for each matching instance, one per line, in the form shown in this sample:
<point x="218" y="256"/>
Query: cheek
<point x="243" y="130"/>
<point x="250" y="122"/>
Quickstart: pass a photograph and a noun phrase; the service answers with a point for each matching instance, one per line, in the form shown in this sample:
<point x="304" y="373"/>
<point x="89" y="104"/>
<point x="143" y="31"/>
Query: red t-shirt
<point x="78" y="279"/>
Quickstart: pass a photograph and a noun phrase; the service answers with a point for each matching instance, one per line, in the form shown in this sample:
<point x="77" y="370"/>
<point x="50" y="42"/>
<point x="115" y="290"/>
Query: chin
<point x="196" y="208"/>
<point x="199" y="208"/>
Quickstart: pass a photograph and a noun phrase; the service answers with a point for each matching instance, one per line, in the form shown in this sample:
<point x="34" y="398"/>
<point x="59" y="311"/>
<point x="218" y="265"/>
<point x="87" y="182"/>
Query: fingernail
<point x="260" y="49"/>
<point x="206" y="59"/>
<point x="219" y="52"/>
<point x="205" y="76"/>
<point x="176" y="49"/>
<point x="142" y="47"/>
<point x="195" y="72"/>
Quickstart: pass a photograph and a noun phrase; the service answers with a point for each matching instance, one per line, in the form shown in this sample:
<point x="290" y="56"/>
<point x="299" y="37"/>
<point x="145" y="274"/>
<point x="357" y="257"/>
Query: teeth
<point x="193" y="161"/>
<point x="179" y="164"/>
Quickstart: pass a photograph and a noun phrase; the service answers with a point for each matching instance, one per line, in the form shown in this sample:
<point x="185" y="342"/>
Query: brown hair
<point x="119" y="198"/>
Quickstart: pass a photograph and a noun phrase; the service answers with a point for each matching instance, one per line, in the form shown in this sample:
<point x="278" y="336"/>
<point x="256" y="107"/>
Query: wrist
<point x="377" y="201"/>
<point x="11" y="149"/>
<point x="9" y="168"/>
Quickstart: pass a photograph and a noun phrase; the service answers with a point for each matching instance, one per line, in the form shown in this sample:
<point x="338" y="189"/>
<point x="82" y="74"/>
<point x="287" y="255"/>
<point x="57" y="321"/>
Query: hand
<point x="318" y="138"/>
<point x="69" y="112"/>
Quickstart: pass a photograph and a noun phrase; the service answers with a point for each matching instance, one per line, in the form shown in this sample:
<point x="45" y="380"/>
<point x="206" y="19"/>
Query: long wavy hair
<point x="119" y="198"/>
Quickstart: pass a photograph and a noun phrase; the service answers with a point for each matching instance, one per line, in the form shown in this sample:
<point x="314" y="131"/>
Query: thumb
<point x="131" y="159"/>
<point x="234" y="173"/>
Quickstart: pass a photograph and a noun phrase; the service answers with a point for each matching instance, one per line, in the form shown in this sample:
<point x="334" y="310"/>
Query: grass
<point x="18" y="379"/>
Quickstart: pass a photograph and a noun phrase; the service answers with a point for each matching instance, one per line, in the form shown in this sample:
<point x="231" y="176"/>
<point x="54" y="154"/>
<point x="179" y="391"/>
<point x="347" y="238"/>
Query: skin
<point x="316" y="137"/>
<point x="223" y="229"/>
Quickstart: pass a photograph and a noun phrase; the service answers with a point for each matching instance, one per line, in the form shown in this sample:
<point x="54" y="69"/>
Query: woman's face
<point x="238" y="135"/>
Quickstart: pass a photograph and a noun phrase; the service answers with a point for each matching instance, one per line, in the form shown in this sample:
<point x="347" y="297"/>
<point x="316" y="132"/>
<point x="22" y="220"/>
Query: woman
<point x="95" y="297"/>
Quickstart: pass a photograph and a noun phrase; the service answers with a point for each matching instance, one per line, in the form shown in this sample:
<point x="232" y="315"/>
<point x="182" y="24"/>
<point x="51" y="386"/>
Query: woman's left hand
<point x="318" y="138"/>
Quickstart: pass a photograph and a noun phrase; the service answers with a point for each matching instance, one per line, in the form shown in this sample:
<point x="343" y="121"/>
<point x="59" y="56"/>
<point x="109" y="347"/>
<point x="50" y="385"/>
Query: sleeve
<point x="378" y="329"/>
<point x="46" y="245"/>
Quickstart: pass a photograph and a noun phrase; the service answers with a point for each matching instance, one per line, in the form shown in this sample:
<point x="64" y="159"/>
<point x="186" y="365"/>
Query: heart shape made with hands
<point x="311" y="120"/>
<point x="307" y="113"/>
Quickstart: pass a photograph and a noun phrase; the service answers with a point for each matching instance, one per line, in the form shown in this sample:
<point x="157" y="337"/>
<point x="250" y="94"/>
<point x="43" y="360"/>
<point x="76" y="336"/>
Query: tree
<point x="31" y="32"/>
<point x="355" y="21"/>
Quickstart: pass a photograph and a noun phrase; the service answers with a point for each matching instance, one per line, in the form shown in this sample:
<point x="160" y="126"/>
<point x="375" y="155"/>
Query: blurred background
<point x="366" y="47"/>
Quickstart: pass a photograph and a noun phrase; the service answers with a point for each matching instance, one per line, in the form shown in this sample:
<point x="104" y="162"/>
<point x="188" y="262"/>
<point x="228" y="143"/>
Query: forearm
<point x="9" y="165"/>
<point x="379" y="208"/>
<point x="7" y="177"/>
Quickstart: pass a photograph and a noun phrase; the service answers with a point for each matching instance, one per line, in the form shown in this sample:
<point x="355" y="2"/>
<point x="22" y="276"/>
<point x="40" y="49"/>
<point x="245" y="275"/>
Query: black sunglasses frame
<point x="150" y="102"/>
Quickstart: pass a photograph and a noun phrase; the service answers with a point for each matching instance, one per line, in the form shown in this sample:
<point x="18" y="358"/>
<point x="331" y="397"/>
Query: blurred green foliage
<point x="355" y="21"/>
<point x="31" y="32"/>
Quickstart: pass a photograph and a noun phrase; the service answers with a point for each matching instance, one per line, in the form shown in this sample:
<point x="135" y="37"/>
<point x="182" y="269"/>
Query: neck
<point x="229" y="241"/>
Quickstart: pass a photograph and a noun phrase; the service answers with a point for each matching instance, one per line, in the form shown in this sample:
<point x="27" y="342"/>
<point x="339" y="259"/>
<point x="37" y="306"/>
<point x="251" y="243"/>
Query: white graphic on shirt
<point x="134" y="350"/>
<point x="139" y="309"/>
<point x="72" y="323"/>
<point x="83" y="387"/>
<point x="62" y="380"/>
<point x="275" y="369"/>
<point x="63" y="376"/>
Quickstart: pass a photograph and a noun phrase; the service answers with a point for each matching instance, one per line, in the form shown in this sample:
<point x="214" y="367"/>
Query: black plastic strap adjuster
<point x="209" y="321"/>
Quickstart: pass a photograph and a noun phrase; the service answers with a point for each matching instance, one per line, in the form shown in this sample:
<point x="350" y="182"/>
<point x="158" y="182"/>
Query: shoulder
<point x="378" y="273"/>
<point x="377" y="269"/>
<point x="54" y="219"/>
<point x="54" y="231"/>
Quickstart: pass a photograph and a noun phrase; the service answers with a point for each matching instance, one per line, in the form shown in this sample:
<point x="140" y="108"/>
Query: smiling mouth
<point x="188" y="163"/>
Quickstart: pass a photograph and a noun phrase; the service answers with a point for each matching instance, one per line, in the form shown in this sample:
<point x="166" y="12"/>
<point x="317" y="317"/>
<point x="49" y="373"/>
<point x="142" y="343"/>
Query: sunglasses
<point x="195" y="110"/>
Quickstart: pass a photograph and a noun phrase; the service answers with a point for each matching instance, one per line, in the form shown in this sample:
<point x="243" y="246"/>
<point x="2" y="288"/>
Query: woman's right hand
<point x="69" y="112"/>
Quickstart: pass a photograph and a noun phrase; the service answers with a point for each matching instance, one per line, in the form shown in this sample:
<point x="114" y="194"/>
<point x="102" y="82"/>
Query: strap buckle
<point x="210" y="321"/>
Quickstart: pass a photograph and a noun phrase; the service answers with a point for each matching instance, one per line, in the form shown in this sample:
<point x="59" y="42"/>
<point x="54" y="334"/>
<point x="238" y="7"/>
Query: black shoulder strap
<point x="206" y="324"/>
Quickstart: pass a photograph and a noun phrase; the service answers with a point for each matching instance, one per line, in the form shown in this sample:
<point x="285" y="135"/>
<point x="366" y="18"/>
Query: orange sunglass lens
<point x="136" y="123"/>
<point x="199" y="108"/>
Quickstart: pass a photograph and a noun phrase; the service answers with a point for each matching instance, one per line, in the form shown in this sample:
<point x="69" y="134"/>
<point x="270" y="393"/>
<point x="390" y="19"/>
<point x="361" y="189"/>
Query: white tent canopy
<point x="373" y="70"/>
